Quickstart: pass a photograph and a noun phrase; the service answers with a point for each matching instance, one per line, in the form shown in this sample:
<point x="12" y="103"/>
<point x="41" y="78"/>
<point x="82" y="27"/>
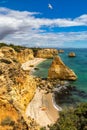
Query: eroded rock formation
<point x="21" y="56"/>
<point x="59" y="70"/>
<point x="8" y="52"/>
<point x="46" y="53"/>
<point x="71" y="54"/>
<point x="25" y="55"/>
<point x="10" y="118"/>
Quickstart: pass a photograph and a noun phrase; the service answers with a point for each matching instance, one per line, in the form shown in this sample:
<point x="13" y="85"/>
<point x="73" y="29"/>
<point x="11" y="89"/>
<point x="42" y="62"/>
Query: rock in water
<point x="71" y="54"/>
<point x="59" y="70"/>
<point x="61" y="51"/>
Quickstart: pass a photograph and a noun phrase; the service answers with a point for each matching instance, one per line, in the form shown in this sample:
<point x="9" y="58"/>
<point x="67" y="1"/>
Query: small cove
<point x="79" y="65"/>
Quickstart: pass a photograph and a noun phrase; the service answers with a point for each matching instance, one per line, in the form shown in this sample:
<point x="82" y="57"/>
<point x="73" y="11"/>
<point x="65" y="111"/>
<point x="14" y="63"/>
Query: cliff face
<point x="15" y="83"/>
<point x="17" y="89"/>
<point x="8" y="52"/>
<point x="59" y="70"/>
<point x="46" y="53"/>
<point x="10" y="118"/>
<point x="25" y="55"/>
<point x="21" y="56"/>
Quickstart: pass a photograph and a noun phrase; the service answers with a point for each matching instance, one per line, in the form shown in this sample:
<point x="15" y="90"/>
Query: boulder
<point x="59" y="70"/>
<point x="71" y="54"/>
<point x="46" y="53"/>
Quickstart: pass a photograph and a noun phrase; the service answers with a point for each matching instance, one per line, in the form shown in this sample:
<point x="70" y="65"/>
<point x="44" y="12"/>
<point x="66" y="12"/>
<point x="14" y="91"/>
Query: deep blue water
<point x="78" y="64"/>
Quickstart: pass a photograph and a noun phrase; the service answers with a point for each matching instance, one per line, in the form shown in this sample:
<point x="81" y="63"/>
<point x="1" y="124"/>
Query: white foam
<point x="55" y="105"/>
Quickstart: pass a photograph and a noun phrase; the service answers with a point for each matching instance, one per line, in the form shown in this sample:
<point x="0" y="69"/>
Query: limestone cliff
<point x="59" y="70"/>
<point x="46" y="53"/>
<point x="8" y="52"/>
<point x="25" y="55"/>
<point x="21" y="56"/>
<point x="17" y="89"/>
<point x="10" y="118"/>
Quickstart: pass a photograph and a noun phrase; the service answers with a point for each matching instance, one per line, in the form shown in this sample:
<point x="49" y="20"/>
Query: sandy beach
<point x="41" y="107"/>
<point x="31" y="64"/>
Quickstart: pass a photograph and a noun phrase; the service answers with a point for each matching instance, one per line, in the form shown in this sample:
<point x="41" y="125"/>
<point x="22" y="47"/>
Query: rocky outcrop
<point x="17" y="89"/>
<point x="61" y="51"/>
<point x="25" y="55"/>
<point x="71" y="54"/>
<point x="8" y="52"/>
<point x="46" y="53"/>
<point x="59" y="70"/>
<point x="21" y="56"/>
<point x="10" y="118"/>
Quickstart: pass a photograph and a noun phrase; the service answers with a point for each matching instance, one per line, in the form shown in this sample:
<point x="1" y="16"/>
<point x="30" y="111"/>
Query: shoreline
<point x="58" y="108"/>
<point x="31" y="64"/>
<point x="42" y="107"/>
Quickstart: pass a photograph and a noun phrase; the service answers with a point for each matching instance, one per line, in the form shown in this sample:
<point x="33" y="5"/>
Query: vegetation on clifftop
<point x="17" y="48"/>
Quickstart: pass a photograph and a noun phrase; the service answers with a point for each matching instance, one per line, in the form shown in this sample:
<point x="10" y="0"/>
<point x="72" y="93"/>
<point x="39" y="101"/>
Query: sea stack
<point x="58" y="70"/>
<point x="61" y="51"/>
<point x="71" y="54"/>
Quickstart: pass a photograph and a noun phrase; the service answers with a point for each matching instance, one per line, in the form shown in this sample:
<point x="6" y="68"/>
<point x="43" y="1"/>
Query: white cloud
<point x="22" y="27"/>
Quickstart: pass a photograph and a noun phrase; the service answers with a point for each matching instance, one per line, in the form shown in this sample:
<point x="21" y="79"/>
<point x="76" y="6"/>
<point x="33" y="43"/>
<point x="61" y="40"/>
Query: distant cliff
<point x="46" y="53"/>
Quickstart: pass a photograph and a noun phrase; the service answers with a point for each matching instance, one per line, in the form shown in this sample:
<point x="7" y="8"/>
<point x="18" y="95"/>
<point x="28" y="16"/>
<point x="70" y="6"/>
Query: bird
<point x="50" y="6"/>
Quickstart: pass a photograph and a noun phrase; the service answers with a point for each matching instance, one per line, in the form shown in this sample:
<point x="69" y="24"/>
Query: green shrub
<point x="7" y="121"/>
<point x="72" y="119"/>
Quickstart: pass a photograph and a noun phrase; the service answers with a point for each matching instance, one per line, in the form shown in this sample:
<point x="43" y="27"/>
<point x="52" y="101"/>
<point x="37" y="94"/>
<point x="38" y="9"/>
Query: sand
<point x="31" y="64"/>
<point x="41" y="107"/>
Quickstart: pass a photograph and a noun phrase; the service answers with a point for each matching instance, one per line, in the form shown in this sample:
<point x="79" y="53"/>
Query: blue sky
<point x="44" y="23"/>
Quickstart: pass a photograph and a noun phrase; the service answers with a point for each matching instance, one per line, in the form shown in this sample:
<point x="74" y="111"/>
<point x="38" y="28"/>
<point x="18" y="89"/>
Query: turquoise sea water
<point x="78" y="64"/>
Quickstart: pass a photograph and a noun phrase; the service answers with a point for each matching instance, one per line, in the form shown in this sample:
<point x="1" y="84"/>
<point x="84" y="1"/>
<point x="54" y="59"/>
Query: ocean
<point x="79" y="65"/>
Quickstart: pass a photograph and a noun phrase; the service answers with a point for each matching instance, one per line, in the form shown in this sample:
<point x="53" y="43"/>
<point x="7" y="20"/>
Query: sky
<point x="44" y="23"/>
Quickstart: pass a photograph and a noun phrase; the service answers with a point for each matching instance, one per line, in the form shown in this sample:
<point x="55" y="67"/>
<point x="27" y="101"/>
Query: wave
<point x="55" y="105"/>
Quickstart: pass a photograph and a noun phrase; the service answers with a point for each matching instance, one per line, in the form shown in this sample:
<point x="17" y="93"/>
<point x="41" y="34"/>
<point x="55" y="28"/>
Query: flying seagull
<point x="50" y="6"/>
